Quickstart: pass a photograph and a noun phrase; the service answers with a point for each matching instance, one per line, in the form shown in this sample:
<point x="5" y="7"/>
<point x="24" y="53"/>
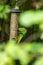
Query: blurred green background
<point x="28" y="48"/>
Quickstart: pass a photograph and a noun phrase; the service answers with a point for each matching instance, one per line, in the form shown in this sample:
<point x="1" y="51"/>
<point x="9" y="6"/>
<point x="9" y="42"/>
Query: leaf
<point x="4" y="12"/>
<point x="1" y="7"/>
<point x="1" y="15"/>
<point x="29" y="18"/>
<point x="39" y="61"/>
<point x="5" y="59"/>
<point x="6" y="9"/>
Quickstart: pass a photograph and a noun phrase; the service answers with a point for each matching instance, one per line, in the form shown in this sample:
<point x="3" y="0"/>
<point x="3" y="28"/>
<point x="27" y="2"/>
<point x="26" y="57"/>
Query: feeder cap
<point x="14" y="10"/>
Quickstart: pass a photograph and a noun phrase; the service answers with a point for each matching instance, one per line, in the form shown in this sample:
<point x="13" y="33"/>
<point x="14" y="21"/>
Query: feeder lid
<point x="14" y="10"/>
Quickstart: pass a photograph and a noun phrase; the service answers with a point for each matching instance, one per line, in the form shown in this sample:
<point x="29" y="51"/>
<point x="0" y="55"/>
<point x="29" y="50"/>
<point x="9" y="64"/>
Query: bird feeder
<point x="14" y="23"/>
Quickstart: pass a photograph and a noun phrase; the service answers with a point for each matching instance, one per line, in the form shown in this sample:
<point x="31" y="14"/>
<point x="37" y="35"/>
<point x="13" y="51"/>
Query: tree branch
<point x="19" y="3"/>
<point x="33" y="37"/>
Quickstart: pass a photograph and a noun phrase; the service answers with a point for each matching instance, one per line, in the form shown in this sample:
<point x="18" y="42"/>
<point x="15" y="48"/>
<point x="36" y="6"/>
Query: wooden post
<point x="14" y="23"/>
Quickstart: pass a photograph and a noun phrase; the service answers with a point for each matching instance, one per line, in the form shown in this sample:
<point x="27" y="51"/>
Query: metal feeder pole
<point x="14" y="23"/>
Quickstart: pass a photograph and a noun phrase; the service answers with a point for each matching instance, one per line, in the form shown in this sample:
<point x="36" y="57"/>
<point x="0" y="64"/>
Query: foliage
<point x="30" y="53"/>
<point x="2" y="2"/>
<point x="31" y="18"/>
<point x="25" y="53"/>
<point x="4" y="10"/>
